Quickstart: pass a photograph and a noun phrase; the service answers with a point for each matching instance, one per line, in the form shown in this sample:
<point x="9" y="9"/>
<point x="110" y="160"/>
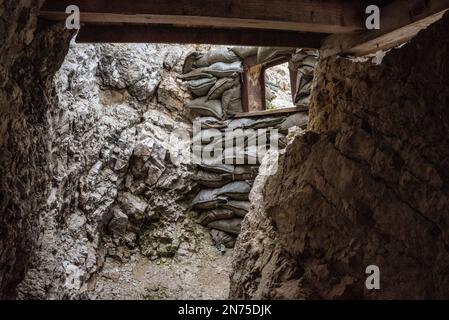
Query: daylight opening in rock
<point x="293" y="161"/>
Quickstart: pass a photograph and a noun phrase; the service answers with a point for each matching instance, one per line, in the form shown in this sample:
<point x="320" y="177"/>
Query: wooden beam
<point x="254" y="98"/>
<point x="321" y="16"/>
<point x="271" y="113"/>
<point x="170" y="34"/>
<point x="400" y="22"/>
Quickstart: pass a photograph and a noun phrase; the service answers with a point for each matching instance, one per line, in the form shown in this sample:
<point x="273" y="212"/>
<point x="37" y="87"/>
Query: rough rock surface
<point x="91" y="177"/>
<point x="278" y="87"/>
<point x="120" y="181"/>
<point x="368" y="184"/>
<point x="29" y="57"/>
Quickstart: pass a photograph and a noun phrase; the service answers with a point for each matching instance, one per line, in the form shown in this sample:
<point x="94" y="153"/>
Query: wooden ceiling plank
<point x="170" y="34"/>
<point x="400" y="22"/>
<point x="321" y="16"/>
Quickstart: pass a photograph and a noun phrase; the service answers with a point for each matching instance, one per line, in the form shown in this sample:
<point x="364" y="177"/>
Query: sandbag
<point x="303" y="90"/>
<point x="222" y="70"/>
<point x="240" y="208"/>
<point x="222" y="85"/>
<point x="238" y="171"/>
<point x="207" y="136"/>
<point x="212" y="179"/>
<point x="201" y="87"/>
<point x="208" y="199"/>
<point x="299" y="119"/>
<point x="248" y="136"/>
<point x="216" y="180"/>
<point x="222" y="238"/>
<point x="190" y="61"/>
<point x="221" y="54"/>
<point x="245" y="172"/>
<point x="305" y="57"/>
<point x="241" y="123"/>
<point x="265" y="54"/>
<point x="231" y="101"/>
<point x="265" y="123"/>
<point x="232" y="226"/>
<point x="202" y="106"/>
<point x="196" y="74"/>
<point x="211" y="123"/>
<point x="214" y="215"/>
<point x="245" y="52"/>
<point x="248" y="155"/>
<point x="219" y="168"/>
<point x="235" y="190"/>
<point x="260" y="123"/>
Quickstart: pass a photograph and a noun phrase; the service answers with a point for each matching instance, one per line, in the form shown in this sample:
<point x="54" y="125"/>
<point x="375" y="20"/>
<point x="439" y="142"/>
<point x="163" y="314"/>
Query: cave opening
<point x="130" y="214"/>
<point x="108" y="192"/>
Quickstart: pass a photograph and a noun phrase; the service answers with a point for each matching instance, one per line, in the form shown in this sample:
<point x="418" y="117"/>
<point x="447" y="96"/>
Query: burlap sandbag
<point x="207" y="136"/>
<point x="201" y="87"/>
<point x="239" y="171"/>
<point x="214" y="215"/>
<point x="238" y="190"/>
<point x="219" y="168"/>
<point x="190" y="61"/>
<point x="303" y="89"/>
<point x="212" y="179"/>
<point x="211" y="123"/>
<point x="231" y="101"/>
<point x="248" y="136"/>
<point x="265" y="54"/>
<point x="203" y="107"/>
<point x="241" y="123"/>
<point x="222" y="85"/>
<point x="196" y="74"/>
<point x="245" y="172"/>
<point x="265" y="123"/>
<point x="208" y="199"/>
<point x="222" y="70"/>
<point x="240" y="208"/>
<point x="217" y="180"/>
<point x="242" y="156"/>
<point x="305" y="57"/>
<point x="222" y="238"/>
<point x="229" y="225"/>
<point x="245" y="52"/>
<point x="221" y="54"/>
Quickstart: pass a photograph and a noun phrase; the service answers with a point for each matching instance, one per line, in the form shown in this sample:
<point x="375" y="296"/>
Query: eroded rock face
<point x="93" y="132"/>
<point x="29" y="57"/>
<point x="367" y="185"/>
<point x="121" y="182"/>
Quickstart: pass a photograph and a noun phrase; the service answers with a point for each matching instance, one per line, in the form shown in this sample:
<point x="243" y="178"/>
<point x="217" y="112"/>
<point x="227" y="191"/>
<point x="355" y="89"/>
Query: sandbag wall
<point x="215" y="80"/>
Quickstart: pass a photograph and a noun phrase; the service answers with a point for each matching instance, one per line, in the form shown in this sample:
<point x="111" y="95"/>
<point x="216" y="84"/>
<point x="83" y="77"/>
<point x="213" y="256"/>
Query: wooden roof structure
<point x="335" y="26"/>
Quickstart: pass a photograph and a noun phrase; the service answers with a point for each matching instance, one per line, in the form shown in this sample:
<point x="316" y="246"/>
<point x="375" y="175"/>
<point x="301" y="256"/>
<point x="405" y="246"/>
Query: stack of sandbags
<point x="303" y="62"/>
<point x="214" y="78"/>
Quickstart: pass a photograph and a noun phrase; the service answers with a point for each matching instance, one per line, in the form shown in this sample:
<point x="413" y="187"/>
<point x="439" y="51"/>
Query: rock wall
<point x="120" y="181"/>
<point x="368" y="184"/>
<point x="92" y="185"/>
<point x="29" y="57"/>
